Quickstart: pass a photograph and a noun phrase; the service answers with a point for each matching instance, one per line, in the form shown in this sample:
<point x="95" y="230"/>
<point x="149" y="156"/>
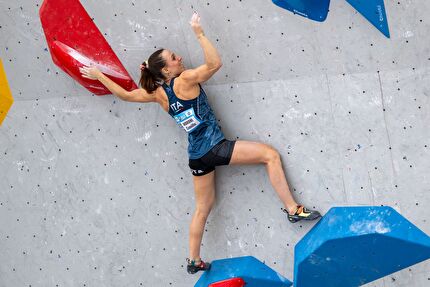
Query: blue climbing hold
<point x="313" y="9"/>
<point x="374" y="12"/>
<point x="246" y="269"/>
<point x="351" y="246"/>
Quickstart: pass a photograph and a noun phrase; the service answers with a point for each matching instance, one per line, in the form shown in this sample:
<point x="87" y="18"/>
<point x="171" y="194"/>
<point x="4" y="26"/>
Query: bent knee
<point x="272" y="155"/>
<point x="203" y="210"/>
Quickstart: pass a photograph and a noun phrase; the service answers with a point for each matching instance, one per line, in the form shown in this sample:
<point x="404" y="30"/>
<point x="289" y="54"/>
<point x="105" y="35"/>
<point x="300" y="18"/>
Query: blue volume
<point x="352" y="246"/>
<point x="374" y="12"/>
<point x="312" y="9"/>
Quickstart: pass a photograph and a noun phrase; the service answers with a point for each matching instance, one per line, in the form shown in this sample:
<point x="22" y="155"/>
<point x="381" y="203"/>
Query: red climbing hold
<point x="233" y="282"/>
<point x="74" y="41"/>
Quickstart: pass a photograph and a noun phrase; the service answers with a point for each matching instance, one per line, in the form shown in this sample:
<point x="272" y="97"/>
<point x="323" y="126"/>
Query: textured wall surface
<point x="95" y="191"/>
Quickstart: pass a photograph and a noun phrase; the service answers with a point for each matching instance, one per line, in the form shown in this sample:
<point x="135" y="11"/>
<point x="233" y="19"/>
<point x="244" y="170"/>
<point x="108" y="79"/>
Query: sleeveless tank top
<point x="197" y="119"/>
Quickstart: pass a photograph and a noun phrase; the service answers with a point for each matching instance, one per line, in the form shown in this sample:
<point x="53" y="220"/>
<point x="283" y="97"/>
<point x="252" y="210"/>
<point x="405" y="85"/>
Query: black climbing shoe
<point x="193" y="268"/>
<point x="302" y="213"/>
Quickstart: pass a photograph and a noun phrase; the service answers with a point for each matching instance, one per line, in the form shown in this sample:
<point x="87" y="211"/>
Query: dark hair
<point x="151" y="75"/>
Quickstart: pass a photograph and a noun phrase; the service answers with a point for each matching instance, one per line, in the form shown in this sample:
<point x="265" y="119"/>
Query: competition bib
<point x="188" y="120"/>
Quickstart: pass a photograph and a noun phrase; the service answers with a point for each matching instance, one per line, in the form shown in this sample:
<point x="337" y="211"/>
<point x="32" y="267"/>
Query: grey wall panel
<point x="95" y="191"/>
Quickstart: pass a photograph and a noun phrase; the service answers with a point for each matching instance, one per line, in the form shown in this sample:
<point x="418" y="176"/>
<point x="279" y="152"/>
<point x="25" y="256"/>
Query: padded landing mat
<point x="6" y="98"/>
<point x="74" y="40"/>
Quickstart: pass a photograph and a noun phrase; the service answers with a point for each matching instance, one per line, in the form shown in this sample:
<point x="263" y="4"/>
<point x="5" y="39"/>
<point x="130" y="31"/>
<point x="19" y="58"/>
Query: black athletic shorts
<point x="220" y="154"/>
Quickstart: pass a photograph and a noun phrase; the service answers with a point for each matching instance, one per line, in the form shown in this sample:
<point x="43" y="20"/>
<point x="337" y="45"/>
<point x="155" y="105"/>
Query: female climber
<point x="165" y="80"/>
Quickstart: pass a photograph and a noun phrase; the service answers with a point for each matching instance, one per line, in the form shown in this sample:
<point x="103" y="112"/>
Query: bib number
<point x="188" y="120"/>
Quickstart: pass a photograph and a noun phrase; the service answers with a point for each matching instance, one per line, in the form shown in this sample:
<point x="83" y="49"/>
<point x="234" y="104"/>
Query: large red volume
<point x="74" y="41"/>
<point x="233" y="282"/>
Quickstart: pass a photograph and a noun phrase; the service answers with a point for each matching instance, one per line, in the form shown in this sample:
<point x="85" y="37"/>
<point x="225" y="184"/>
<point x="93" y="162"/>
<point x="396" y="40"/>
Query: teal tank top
<point x="197" y="119"/>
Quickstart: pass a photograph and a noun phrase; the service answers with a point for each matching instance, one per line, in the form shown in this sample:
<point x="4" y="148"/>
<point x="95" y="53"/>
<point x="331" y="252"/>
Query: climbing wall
<point x="95" y="191"/>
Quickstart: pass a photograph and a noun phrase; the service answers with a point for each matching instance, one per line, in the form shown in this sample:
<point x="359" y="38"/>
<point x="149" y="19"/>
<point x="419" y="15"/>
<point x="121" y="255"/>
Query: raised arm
<point x="212" y="59"/>
<point x="137" y="95"/>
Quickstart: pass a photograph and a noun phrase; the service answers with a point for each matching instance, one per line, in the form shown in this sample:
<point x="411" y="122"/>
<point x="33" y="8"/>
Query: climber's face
<point x="174" y="66"/>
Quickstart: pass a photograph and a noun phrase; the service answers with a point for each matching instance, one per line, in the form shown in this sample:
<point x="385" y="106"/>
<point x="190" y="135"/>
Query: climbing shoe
<point x="302" y="213"/>
<point x="193" y="267"/>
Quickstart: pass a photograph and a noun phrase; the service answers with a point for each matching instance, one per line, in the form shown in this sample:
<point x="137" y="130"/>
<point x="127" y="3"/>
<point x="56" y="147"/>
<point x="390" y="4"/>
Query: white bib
<point x="188" y="120"/>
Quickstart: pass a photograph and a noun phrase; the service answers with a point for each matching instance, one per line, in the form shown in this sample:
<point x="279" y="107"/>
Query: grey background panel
<point x="257" y="40"/>
<point x="95" y="191"/>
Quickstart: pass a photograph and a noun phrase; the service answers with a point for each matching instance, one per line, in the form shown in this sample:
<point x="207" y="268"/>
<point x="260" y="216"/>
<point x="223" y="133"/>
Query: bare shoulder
<point x="161" y="98"/>
<point x="189" y="75"/>
<point x="140" y="95"/>
<point x="200" y="74"/>
<point x="157" y="96"/>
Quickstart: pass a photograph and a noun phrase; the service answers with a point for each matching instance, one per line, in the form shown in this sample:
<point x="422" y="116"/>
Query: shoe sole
<point x="304" y="218"/>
